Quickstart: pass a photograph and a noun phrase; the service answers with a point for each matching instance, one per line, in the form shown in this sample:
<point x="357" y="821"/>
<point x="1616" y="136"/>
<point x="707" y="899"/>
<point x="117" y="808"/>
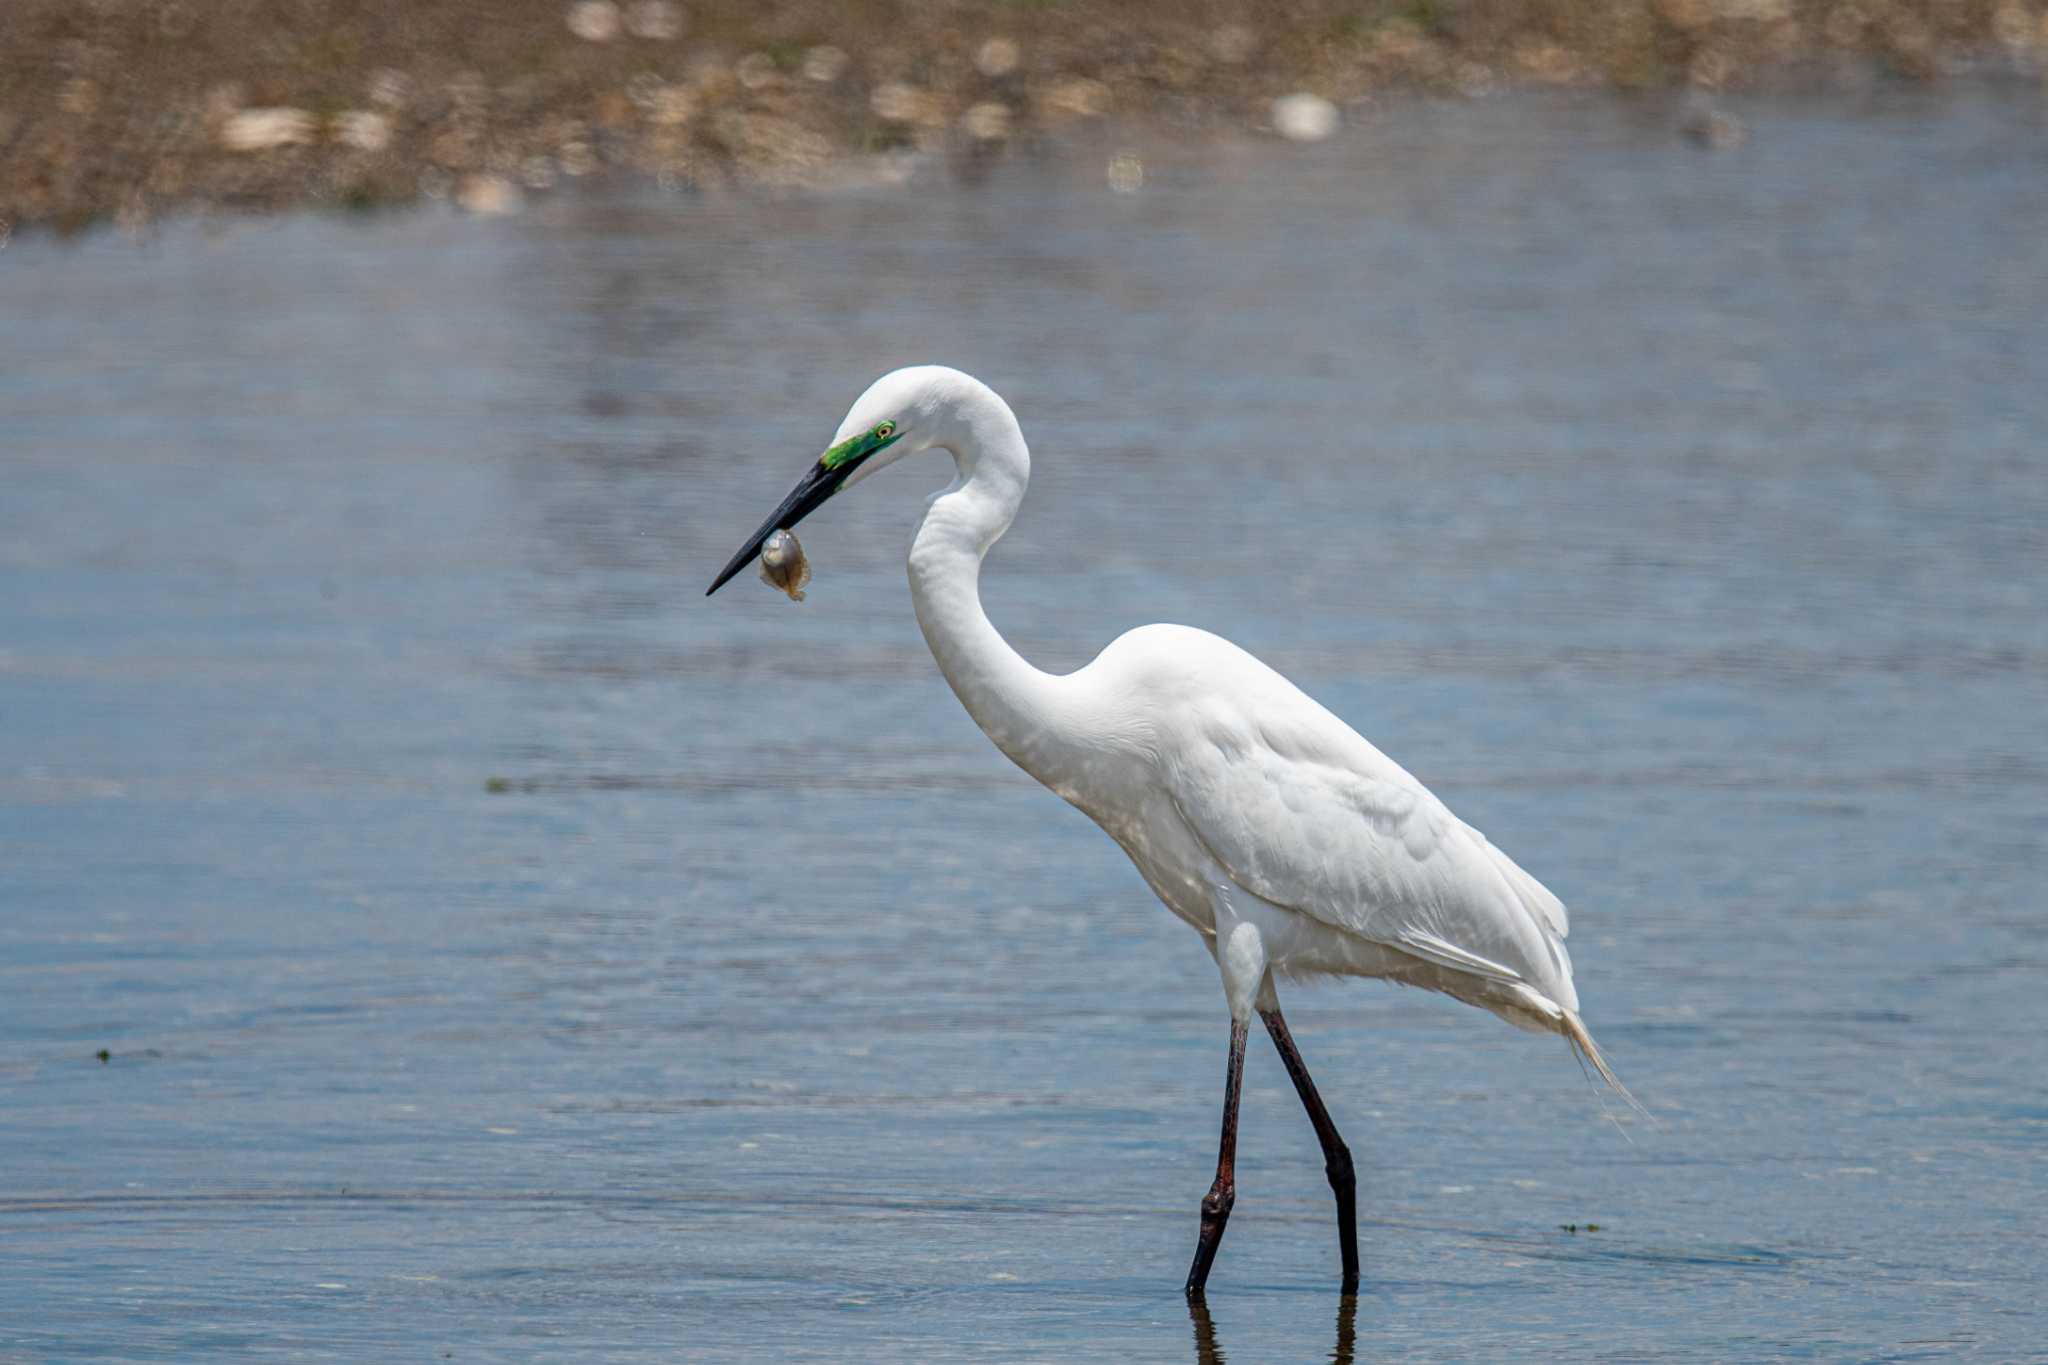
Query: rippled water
<point x="502" y="951"/>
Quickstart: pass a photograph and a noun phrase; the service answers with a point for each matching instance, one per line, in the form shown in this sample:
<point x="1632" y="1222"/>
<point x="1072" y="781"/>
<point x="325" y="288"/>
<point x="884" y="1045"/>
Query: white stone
<point x="671" y="107"/>
<point x="997" y="57"/>
<point x="389" y="87"/>
<point x="987" y="122"/>
<point x="262" y="130"/>
<point x="1079" y="97"/>
<point x="824" y="64"/>
<point x="595" y="21"/>
<point x="657" y="20"/>
<point x="897" y="102"/>
<point x="1303" y="117"/>
<point x="488" y="196"/>
<point x="576" y="158"/>
<point x="366" y="130"/>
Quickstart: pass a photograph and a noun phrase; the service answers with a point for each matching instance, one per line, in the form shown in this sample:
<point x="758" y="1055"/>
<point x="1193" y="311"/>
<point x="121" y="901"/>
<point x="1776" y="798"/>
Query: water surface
<point x="503" y="952"/>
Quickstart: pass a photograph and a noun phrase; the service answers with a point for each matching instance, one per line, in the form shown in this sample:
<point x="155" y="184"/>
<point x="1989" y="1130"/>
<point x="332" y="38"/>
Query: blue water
<point x="503" y="952"/>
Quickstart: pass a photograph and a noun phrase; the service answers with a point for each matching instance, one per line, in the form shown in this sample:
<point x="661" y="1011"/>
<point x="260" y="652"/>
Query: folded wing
<point x="1304" y="813"/>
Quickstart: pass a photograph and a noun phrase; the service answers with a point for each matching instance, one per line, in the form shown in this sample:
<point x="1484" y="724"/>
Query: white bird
<point x="1293" y="846"/>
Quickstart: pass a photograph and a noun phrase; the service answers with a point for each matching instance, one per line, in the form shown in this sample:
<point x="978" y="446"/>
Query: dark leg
<point x="1336" y="1156"/>
<point x="1222" y="1194"/>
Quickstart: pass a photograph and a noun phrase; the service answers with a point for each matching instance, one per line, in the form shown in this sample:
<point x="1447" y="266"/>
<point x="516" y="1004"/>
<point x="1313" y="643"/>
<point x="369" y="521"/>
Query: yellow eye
<point x="886" y="430"/>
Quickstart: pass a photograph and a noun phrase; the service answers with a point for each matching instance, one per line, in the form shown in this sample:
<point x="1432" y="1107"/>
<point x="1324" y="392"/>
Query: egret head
<point x="902" y="413"/>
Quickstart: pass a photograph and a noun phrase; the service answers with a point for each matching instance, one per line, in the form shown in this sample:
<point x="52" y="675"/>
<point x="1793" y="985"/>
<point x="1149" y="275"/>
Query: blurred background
<point x="429" y="927"/>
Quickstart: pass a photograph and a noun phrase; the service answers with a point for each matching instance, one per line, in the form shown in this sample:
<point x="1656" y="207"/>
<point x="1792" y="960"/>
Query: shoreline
<point x="133" y="113"/>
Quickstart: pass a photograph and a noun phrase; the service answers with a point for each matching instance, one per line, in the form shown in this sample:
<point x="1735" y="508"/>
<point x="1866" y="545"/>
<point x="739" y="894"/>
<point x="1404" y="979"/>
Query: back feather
<point x="1582" y="1044"/>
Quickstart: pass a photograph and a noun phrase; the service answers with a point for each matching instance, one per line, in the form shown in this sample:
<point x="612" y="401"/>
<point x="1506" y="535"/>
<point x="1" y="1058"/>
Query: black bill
<point x="807" y="497"/>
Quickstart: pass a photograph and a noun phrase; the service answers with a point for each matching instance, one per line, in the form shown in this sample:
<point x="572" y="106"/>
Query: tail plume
<point x="1588" y="1052"/>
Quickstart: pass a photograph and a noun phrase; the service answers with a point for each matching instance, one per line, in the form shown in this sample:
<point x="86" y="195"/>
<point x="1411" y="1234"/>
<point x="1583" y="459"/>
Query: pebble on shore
<point x="594" y="21"/>
<point x="1079" y="97"/>
<point x="987" y="122"/>
<point x="825" y="64"/>
<point x="366" y="130"/>
<point x="263" y="130"/>
<point x="901" y="103"/>
<point x="656" y="20"/>
<point x="997" y="57"/>
<point x="1303" y="117"/>
<point x="488" y="196"/>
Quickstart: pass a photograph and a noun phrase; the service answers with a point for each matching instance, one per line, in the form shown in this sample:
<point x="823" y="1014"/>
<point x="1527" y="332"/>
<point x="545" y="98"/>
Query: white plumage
<point x="1278" y="832"/>
<point x="1346" y="862"/>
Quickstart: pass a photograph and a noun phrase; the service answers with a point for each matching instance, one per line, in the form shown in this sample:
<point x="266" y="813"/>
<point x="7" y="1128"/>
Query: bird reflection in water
<point x="1207" y="1352"/>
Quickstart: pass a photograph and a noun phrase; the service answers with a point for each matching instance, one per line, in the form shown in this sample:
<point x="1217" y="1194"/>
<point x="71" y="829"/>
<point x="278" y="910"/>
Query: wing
<point x="1304" y="813"/>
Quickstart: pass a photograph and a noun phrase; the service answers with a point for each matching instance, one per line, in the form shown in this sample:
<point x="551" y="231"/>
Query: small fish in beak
<point x="783" y="565"/>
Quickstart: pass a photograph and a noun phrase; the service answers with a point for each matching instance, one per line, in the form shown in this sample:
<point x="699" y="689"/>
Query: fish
<point x="783" y="565"/>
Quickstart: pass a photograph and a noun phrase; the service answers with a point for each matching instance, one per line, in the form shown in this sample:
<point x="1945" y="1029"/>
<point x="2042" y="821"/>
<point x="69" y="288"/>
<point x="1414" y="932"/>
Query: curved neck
<point x="1010" y="700"/>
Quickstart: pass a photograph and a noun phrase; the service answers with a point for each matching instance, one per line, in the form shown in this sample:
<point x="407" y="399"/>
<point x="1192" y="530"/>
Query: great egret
<point x="1293" y="846"/>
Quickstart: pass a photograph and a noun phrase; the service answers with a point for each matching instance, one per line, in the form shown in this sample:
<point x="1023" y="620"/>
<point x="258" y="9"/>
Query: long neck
<point x="1015" y="704"/>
